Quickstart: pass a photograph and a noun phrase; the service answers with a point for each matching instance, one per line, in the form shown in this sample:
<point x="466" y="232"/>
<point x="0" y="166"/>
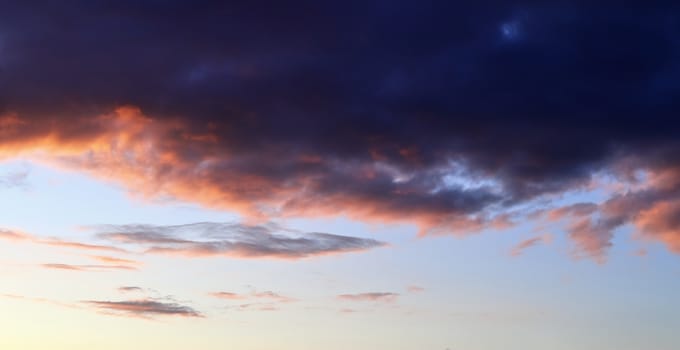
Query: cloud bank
<point x="452" y="117"/>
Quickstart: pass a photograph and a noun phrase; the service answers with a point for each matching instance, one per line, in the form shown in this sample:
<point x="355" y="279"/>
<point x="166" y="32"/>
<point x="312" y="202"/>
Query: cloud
<point x="415" y="289"/>
<point x="87" y="267"/>
<point x="451" y="124"/>
<point x="229" y="295"/>
<point x="374" y="296"/>
<point x="114" y="260"/>
<point x="143" y="308"/>
<point x="14" y="179"/>
<point x="347" y="311"/>
<point x="126" y="289"/>
<point x="233" y="240"/>
<point x="254" y="300"/>
<point x="267" y="295"/>
<point x="519" y="249"/>
<point x="78" y="245"/>
<point x="256" y="307"/>
<point x="646" y="201"/>
<point x="272" y="296"/>
<point x="16" y="235"/>
<point x="574" y="210"/>
<point x="40" y="300"/>
<point x="12" y="235"/>
<point x="204" y="239"/>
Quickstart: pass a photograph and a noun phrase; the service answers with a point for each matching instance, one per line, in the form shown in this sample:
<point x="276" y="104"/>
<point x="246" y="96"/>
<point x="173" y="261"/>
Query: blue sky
<point x="471" y="292"/>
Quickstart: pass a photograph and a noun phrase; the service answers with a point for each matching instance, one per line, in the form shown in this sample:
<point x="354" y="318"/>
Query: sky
<point x="369" y="174"/>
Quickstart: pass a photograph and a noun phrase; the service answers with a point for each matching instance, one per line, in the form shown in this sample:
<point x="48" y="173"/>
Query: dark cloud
<point x="126" y="289"/>
<point x="445" y="114"/>
<point x="143" y="308"/>
<point x="237" y="240"/>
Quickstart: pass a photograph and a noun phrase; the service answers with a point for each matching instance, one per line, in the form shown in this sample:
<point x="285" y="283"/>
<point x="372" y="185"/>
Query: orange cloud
<point x="171" y="158"/>
<point x="13" y="235"/>
<point x="166" y="159"/>
<point x="110" y="259"/>
<point x="661" y="222"/>
<point x="83" y="246"/>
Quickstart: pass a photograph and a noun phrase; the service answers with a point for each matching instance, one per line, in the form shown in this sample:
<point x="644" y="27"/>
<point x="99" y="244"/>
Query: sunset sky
<point x="305" y="175"/>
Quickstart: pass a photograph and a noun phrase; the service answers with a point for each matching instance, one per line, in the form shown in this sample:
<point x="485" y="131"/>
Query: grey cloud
<point x="235" y="240"/>
<point x="144" y="308"/>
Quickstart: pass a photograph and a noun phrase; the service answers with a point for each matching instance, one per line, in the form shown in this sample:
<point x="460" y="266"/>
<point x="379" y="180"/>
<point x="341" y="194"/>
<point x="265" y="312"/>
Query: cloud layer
<point x="451" y="117"/>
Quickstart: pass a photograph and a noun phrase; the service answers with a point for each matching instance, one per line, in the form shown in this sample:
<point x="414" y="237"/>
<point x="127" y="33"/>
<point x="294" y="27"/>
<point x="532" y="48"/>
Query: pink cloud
<point x="373" y="296"/>
<point x="528" y="243"/>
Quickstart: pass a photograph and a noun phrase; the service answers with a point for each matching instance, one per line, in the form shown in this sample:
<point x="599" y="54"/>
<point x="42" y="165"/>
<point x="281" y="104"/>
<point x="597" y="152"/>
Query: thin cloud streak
<point x="115" y="260"/>
<point x="233" y="240"/>
<point x="372" y="296"/>
<point x="522" y="246"/>
<point x="415" y="289"/>
<point x="88" y="267"/>
<point x="143" y="308"/>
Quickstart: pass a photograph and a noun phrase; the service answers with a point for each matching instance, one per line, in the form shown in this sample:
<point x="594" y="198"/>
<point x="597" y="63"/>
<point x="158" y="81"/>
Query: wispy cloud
<point x="233" y="240"/>
<point x="255" y="300"/>
<point x="272" y="296"/>
<point x="13" y="235"/>
<point x="373" y="296"/>
<point x="56" y="242"/>
<point x="519" y="249"/>
<point x="39" y="300"/>
<point x="415" y="289"/>
<point x="143" y="308"/>
<point x="87" y="267"/>
<point x="114" y="260"/>
<point x="266" y="295"/>
<point x="14" y="179"/>
<point x="229" y="295"/>
<point x="83" y="246"/>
